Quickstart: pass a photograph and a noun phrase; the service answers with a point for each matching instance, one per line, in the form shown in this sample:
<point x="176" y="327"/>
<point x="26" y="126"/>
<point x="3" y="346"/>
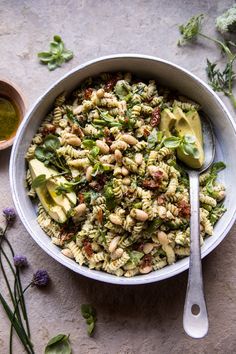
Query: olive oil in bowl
<point x="9" y="118"/>
<point x="12" y="111"/>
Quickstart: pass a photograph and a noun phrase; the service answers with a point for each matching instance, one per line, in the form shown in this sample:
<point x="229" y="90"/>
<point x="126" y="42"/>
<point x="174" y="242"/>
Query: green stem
<point x="14" y="316"/>
<point x="221" y="44"/>
<point x="24" y="340"/>
<point x="18" y="286"/>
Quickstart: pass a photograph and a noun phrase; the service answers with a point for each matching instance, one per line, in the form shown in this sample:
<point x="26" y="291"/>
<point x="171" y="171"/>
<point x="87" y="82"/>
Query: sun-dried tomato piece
<point x="88" y="248"/>
<point x="48" y="129"/>
<point x="111" y="84"/>
<point x="160" y="199"/>
<point x="77" y="130"/>
<point x="146" y="261"/>
<point x="146" y="132"/>
<point x="184" y="208"/>
<point x="99" y="216"/>
<point x="81" y="198"/>
<point x="88" y="93"/>
<point x="156" y="117"/>
<point x="157" y="176"/>
<point x="150" y="184"/>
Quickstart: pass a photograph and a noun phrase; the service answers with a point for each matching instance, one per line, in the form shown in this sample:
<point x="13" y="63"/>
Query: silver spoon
<point x="195" y="318"/>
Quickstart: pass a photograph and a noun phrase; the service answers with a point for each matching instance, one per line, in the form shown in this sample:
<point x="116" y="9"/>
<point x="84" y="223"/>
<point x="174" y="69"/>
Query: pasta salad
<point x="109" y="189"/>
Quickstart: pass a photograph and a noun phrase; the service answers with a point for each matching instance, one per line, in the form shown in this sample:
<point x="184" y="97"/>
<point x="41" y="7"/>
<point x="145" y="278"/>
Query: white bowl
<point x="167" y="74"/>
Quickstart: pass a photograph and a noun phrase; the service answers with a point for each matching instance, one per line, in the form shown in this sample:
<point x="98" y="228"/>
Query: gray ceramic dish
<point x="167" y="74"/>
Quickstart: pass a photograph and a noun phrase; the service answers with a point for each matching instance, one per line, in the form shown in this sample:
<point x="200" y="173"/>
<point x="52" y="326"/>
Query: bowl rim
<point x="98" y="275"/>
<point x="7" y="143"/>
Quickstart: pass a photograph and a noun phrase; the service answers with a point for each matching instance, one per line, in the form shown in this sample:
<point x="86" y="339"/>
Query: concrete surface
<point x="131" y="320"/>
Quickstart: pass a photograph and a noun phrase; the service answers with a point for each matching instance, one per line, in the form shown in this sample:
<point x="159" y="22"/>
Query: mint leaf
<point x="52" y="142"/>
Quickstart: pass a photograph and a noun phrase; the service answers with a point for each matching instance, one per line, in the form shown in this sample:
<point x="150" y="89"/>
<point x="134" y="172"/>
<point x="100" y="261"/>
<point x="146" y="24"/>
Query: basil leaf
<point x="135" y="257"/>
<point x="87" y="310"/>
<point x="57" y="338"/>
<point x="89" y="144"/>
<point x="95" y="151"/>
<point x="39" y="153"/>
<point x="189" y="138"/>
<point x="152" y="139"/>
<point x="39" y="181"/>
<point x="172" y="142"/>
<point x="217" y="167"/>
<point x="52" y="142"/>
<point x="187" y="149"/>
<point x="153" y="225"/>
<point x="54" y="48"/>
<point x="109" y="195"/>
<point x="58" y="345"/>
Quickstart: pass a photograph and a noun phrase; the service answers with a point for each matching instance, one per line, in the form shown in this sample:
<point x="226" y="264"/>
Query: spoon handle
<point x="195" y="319"/>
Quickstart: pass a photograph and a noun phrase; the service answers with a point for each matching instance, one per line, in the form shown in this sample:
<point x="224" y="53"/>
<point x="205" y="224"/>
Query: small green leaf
<point x="58" y="345"/>
<point x="135" y="257"/>
<point x="95" y="151"/>
<point x="88" y="144"/>
<point x="39" y="181"/>
<point x="52" y="142"/>
<point x="67" y="55"/>
<point x="52" y="65"/>
<point x="152" y="139"/>
<point x="172" y="142"/>
<point x="90" y="328"/>
<point x="54" y="48"/>
<point x="56" y="339"/>
<point x="218" y="166"/>
<point x="45" y="57"/>
<point x="188" y="149"/>
<point x="57" y="38"/>
<point x="39" y="153"/>
<point x="189" y="138"/>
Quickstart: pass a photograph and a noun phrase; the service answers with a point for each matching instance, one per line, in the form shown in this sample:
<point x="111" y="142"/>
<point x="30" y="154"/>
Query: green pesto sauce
<point x="9" y="118"/>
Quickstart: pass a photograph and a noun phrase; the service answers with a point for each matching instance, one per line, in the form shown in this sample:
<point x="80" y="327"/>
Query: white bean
<point x="139" y="214"/>
<point x="115" y="219"/>
<point x="89" y="173"/>
<point x="80" y="210"/>
<point x="129" y="139"/>
<point x="138" y="158"/>
<point x="117" y="253"/>
<point x="100" y="93"/>
<point x="118" y="155"/>
<point x="74" y="141"/>
<point x="124" y="171"/>
<point x="113" y="244"/>
<point x="162" y="237"/>
<point x="148" y="247"/>
<point x="126" y="181"/>
<point x="104" y="148"/>
<point x="67" y="252"/>
<point x="119" y="144"/>
<point x="145" y="270"/>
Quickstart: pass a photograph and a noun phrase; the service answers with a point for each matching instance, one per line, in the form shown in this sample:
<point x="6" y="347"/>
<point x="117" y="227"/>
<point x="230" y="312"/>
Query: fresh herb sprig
<point x="47" y="153"/>
<point x="89" y="313"/>
<point x="220" y="80"/>
<point x="56" y="55"/>
<point x="14" y="305"/>
<point x="185" y="143"/>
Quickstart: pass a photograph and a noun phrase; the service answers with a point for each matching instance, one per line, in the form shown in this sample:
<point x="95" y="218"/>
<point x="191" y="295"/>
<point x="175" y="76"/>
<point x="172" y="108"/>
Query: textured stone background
<point x="131" y="320"/>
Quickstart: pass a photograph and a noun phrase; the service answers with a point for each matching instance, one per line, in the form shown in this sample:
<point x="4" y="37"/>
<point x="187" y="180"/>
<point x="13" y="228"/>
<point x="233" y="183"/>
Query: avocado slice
<point x="190" y="123"/>
<point x="167" y="123"/>
<point x="57" y="206"/>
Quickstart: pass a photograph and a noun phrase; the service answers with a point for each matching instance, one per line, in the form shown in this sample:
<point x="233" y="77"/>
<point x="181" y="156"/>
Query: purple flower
<point x="40" y="278"/>
<point x="9" y="214"/>
<point x="20" y="261"/>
